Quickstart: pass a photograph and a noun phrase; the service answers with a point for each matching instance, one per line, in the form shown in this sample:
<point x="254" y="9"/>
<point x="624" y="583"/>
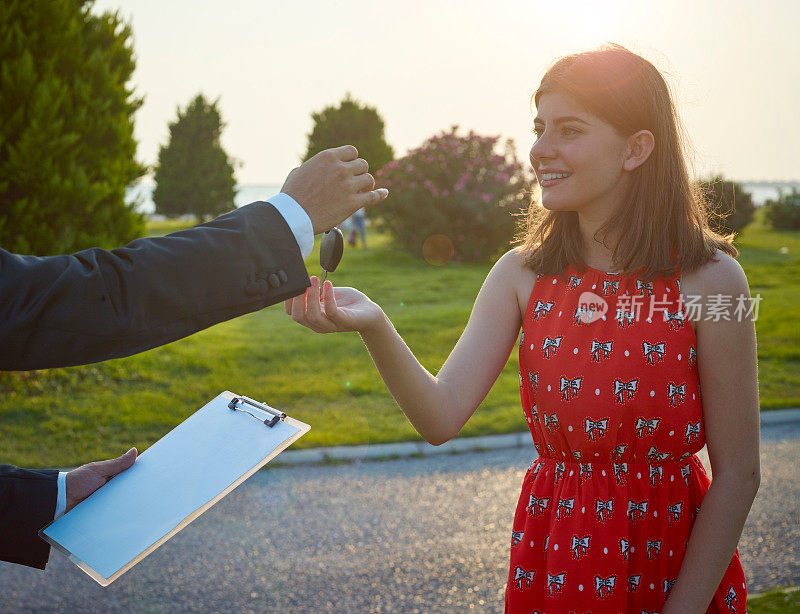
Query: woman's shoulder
<point x="515" y="262"/>
<point x="512" y="260"/>
<point x="720" y="281"/>
<point x="721" y="275"/>
<point x="521" y="278"/>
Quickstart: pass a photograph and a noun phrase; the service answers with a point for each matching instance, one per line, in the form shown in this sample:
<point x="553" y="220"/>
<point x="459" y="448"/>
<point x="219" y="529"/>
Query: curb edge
<point x="409" y="449"/>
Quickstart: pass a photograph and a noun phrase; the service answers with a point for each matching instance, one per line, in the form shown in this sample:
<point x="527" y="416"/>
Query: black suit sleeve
<point x="27" y="504"/>
<point x="95" y="305"/>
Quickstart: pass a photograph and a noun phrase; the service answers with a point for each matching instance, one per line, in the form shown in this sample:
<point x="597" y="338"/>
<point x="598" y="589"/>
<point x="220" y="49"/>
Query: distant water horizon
<point x="246" y="193"/>
<point x="761" y="192"/>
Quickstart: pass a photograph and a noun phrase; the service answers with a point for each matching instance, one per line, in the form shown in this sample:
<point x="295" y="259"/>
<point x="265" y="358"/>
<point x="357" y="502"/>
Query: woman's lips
<point x="547" y="183"/>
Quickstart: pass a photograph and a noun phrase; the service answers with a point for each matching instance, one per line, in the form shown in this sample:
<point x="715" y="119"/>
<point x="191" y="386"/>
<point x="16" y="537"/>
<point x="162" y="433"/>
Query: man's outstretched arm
<point x="95" y="305"/>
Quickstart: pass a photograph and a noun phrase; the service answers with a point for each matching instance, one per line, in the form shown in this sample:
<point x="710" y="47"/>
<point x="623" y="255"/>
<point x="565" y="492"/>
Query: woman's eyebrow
<point x="561" y="120"/>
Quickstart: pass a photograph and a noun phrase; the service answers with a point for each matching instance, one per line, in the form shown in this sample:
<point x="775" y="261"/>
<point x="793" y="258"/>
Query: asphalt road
<point x="415" y="535"/>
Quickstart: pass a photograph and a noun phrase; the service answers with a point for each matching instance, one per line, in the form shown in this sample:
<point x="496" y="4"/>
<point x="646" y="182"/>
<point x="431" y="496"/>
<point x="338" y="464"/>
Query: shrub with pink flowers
<point x="467" y="188"/>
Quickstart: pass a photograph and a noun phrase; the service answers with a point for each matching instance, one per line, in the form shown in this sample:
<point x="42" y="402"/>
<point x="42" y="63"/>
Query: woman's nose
<point x="541" y="150"/>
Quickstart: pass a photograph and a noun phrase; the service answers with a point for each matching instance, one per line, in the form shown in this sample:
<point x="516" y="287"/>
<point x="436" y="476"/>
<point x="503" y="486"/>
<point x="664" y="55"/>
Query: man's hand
<point x="332" y="186"/>
<point x="84" y="480"/>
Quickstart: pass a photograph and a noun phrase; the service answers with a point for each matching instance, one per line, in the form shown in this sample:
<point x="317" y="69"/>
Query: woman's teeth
<point x="551" y="176"/>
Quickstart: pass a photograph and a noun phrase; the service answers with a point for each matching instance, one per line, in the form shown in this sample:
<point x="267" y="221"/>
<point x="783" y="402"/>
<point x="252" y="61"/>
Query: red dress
<point x="612" y="399"/>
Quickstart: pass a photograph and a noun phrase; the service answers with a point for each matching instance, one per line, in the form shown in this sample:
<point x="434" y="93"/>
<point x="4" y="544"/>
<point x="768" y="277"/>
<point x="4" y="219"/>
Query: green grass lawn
<point x="64" y="417"/>
<point x="778" y="601"/>
<point x="157" y="228"/>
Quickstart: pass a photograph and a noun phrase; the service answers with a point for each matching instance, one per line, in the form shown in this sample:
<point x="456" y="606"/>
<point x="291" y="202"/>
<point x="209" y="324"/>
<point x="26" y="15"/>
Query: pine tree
<point x="194" y="174"/>
<point x="67" y="151"/>
<point x="351" y="123"/>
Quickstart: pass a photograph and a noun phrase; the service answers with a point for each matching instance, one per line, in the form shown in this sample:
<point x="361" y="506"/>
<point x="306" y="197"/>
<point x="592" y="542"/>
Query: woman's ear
<point x="640" y="146"/>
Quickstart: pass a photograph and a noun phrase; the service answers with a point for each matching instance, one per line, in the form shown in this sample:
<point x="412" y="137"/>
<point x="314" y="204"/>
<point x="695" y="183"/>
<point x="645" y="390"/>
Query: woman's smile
<point x="553" y="178"/>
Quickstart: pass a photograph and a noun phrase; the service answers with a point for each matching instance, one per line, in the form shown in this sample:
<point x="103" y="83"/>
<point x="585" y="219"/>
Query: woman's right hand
<point x="337" y="310"/>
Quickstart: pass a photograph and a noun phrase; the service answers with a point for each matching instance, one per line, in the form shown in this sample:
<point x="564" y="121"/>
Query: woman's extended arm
<point x="727" y="365"/>
<point x="437" y="406"/>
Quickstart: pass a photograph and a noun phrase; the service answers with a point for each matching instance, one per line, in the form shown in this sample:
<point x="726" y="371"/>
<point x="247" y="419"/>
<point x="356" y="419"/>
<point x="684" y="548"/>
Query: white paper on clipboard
<point x="171" y="483"/>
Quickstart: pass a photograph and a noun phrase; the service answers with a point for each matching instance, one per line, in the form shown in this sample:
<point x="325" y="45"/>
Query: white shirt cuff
<point x="61" y="500"/>
<point x="297" y="219"/>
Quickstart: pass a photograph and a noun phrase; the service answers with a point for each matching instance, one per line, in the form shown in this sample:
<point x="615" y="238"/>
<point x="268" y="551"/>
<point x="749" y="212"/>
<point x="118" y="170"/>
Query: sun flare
<point x="588" y="23"/>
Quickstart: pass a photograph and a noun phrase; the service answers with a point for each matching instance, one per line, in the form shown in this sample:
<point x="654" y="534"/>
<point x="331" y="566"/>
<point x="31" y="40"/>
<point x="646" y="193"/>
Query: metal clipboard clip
<point x="274" y="414"/>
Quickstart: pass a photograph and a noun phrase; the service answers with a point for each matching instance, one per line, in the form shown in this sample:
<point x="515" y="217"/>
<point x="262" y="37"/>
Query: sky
<point x="427" y="65"/>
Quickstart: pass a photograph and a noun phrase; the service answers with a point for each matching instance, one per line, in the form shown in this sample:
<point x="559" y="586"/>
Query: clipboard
<point x="171" y="483"/>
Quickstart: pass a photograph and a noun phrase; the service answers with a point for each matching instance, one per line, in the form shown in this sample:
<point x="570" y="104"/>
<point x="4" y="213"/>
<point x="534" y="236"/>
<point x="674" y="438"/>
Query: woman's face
<point x="577" y="157"/>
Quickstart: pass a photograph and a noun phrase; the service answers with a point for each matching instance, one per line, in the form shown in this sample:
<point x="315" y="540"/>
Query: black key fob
<point x="331" y="249"/>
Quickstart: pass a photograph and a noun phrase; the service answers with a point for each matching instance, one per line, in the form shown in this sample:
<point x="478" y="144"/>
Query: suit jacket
<point x="95" y="305"/>
<point x="27" y="503"/>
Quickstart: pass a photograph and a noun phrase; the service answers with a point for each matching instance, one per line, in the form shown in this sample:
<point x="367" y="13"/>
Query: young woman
<point x="617" y="513"/>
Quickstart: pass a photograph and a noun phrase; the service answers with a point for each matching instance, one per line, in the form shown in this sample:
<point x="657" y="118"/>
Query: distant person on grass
<point x="359" y="224"/>
<point x="95" y="305"/>
<point x="617" y="513"/>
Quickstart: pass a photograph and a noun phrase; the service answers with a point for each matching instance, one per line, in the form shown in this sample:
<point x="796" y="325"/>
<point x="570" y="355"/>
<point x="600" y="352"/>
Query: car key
<point x="330" y="252"/>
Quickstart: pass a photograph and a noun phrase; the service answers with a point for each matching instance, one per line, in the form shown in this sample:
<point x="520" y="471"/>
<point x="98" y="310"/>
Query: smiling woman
<point x="617" y="513"/>
<point x="610" y="165"/>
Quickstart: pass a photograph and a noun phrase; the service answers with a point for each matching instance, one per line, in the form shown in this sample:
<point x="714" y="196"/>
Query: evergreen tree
<point x="784" y="213"/>
<point x="194" y="173"/>
<point x="351" y="123"/>
<point x="66" y="127"/>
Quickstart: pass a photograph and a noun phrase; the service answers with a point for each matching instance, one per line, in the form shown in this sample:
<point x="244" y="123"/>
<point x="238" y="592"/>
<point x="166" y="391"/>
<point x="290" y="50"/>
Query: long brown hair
<point x="665" y="221"/>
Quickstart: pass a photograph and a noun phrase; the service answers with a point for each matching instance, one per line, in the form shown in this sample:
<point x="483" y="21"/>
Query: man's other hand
<point x="84" y="480"/>
<point x="332" y="186"/>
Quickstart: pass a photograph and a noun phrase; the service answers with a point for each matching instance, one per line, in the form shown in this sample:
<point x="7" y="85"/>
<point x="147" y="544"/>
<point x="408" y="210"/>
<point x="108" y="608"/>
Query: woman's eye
<point x="565" y="131"/>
